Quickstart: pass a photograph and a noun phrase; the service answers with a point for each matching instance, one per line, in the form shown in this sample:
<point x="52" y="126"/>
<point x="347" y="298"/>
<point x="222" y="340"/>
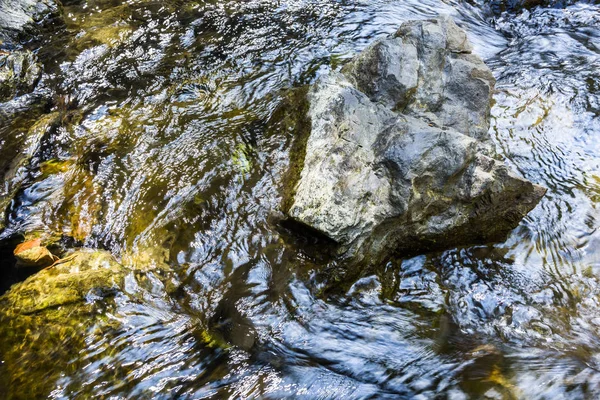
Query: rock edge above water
<point x="399" y="158"/>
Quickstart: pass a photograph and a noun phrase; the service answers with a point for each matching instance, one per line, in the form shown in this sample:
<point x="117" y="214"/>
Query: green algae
<point x="55" y="166"/>
<point x="43" y="320"/>
<point x="46" y="319"/>
<point x="241" y="158"/>
<point x="213" y="340"/>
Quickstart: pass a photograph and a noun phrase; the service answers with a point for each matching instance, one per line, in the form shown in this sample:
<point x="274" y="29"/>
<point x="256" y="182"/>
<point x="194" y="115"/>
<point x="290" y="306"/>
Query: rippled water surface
<point x="170" y="152"/>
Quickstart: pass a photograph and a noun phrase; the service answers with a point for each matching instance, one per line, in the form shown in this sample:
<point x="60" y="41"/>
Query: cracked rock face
<point x="427" y="70"/>
<point x="398" y="157"/>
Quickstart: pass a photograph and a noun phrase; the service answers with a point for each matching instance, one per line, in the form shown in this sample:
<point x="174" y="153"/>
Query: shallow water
<point x="168" y="153"/>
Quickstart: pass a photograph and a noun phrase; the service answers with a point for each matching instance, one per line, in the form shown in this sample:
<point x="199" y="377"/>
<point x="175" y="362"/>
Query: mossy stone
<point x="67" y="282"/>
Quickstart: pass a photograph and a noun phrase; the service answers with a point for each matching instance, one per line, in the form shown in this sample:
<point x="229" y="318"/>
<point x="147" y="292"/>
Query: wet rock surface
<point x="19" y="17"/>
<point x="427" y="69"/>
<point x="161" y="143"/>
<point x="377" y="181"/>
<point x="66" y="282"/>
<point x="19" y="73"/>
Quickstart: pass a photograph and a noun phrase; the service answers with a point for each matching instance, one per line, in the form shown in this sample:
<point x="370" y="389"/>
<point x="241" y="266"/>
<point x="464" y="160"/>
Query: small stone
<point x="33" y="254"/>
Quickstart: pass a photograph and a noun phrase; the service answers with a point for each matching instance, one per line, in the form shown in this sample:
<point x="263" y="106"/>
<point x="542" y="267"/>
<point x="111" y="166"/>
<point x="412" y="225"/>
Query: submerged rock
<point x="51" y="318"/>
<point x="69" y="281"/>
<point x="16" y="153"/>
<point x="45" y="320"/>
<point x="23" y="97"/>
<point x="378" y="181"/>
<point x="19" y="73"/>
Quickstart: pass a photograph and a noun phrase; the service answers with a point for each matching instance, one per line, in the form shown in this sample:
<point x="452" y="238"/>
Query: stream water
<point x="169" y="151"/>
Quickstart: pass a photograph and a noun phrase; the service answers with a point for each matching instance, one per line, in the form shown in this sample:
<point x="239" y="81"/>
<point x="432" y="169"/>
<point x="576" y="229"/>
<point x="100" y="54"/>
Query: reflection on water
<point x="166" y="142"/>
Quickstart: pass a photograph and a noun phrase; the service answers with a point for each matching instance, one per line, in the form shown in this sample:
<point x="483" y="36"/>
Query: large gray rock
<point x="427" y="70"/>
<point x="377" y="181"/>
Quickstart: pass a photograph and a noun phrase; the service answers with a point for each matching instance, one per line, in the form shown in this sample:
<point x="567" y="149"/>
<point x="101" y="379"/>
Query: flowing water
<point x="169" y="152"/>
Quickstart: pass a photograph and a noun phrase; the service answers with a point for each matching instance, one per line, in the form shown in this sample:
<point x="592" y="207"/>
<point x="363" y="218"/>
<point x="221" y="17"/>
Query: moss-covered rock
<point x="67" y="282"/>
<point x="43" y="320"/>
<point x="19" y="73"/>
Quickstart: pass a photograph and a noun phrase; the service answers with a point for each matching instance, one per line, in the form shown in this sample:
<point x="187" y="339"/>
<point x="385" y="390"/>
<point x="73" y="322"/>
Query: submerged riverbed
<point x="169" y="152"/>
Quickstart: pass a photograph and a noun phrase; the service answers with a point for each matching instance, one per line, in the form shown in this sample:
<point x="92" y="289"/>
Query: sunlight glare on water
<point x="174" y="148"/>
